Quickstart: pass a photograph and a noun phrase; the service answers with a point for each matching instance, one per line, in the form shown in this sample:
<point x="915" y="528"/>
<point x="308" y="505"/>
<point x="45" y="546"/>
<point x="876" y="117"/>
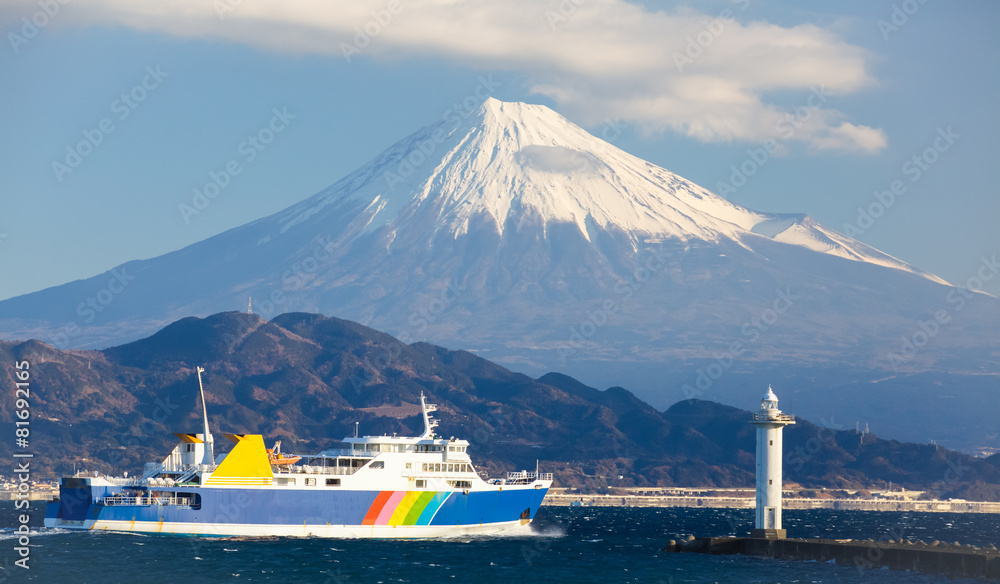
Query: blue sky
<point x="165" y="95"/>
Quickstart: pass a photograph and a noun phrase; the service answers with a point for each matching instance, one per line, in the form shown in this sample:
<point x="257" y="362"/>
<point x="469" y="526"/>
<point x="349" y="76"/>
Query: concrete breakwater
<point x="929" y="558"/>
<point x="954" y="506"/>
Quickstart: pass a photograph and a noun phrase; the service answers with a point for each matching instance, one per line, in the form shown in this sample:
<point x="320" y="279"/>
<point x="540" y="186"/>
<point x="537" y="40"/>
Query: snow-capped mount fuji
<point x="512" y="162"/>
<point x="516" y="234"/>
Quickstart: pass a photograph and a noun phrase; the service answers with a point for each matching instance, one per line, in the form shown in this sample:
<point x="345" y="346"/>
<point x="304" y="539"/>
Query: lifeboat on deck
<point x="276" y="458"/>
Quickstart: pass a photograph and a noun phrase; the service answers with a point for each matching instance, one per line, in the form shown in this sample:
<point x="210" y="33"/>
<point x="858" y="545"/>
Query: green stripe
<point x="418" y="507"/>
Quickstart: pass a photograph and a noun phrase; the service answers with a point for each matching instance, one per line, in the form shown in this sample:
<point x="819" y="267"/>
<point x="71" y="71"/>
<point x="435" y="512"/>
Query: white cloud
<point x="848" y="136"/>
<point x="680" y="71"/>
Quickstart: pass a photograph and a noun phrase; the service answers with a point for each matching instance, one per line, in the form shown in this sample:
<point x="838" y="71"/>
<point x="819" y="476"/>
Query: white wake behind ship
<point x="376" y="487"/>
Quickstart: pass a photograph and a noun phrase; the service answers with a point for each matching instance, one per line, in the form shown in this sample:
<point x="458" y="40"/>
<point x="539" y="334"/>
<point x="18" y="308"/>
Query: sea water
<point x="570" y="544"/>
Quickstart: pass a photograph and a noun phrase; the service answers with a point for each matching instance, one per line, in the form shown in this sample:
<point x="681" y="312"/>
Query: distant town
<point x="39" y="490"/>
<point x="863" y="500"/>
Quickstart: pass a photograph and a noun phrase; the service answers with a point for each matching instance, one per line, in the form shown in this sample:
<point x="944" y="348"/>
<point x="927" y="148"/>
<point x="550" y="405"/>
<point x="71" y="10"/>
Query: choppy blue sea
<point x="573" y="545"/>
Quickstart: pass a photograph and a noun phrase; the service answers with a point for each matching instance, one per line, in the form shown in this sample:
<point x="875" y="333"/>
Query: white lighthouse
<point x="770" y="422"/>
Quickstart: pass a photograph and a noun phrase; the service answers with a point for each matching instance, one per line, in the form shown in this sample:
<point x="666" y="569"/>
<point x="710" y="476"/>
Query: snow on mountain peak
<point x="511" y="159"/>
<point x="508" y="162"/>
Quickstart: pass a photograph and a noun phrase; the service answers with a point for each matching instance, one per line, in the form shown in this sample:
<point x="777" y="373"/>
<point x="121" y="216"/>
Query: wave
<point x="503" y="533"/>
<point x="7" y="533"/>
<point x="548" y="531"/>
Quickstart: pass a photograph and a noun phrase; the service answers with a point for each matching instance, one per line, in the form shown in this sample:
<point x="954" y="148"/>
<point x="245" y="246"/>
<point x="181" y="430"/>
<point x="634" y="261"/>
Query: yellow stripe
<point x="236" y="478"/>
<point x="238" y="481"/>
<point x="399" y="515"/>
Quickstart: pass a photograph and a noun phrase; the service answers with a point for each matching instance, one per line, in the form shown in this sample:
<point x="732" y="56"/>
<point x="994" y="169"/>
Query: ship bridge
<point x="427" y="442"/>
<point x="428" y="448"/>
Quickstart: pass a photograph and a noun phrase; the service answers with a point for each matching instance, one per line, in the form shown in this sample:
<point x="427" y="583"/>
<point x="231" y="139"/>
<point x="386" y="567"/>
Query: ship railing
<point x="335" y="452"/>
<point x="125" y="482"/>
<point x="452" y="474"/>
<point x="155" y="468"/>
<point x="152" y="469"/>
<point x="522" y="478"/>
<point x="321" y="470"/>
<point x="143" y="500"/>
<point x="192" y="472"/>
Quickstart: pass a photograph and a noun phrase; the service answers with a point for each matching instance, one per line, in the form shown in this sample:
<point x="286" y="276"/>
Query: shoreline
<point x="33" y="495"/>
<point x="954" y="506"/>
<point x="707" y="502"/>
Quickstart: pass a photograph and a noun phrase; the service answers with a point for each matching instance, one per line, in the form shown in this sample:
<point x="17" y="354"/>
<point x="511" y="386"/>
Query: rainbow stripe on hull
<point x="396" y="508"/>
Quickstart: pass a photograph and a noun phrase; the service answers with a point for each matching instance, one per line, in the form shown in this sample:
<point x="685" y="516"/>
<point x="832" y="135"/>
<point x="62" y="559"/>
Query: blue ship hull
<point x="281" y="511"/>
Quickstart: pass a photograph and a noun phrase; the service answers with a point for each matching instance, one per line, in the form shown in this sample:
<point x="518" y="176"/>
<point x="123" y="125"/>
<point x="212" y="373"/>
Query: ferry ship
<point x="376" y="487"/>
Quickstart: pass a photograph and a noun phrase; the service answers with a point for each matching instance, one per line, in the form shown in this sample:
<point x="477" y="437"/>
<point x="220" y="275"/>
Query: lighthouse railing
<point x="768" y="417"/>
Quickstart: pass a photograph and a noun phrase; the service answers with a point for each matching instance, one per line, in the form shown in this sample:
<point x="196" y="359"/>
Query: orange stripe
<point x="376" y="508"/>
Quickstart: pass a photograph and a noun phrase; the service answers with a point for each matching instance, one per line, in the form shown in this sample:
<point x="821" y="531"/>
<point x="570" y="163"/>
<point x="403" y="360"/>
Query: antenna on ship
<point x="429" y="422"/>
<point x="209" y="457"/>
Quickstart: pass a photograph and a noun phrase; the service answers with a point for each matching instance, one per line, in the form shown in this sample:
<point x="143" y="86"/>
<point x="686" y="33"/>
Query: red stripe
<point x="376" y="508"/>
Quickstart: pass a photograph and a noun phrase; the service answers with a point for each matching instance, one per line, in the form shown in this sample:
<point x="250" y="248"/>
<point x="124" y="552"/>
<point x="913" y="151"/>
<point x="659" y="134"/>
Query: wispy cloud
<point x="707" y="76"/>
